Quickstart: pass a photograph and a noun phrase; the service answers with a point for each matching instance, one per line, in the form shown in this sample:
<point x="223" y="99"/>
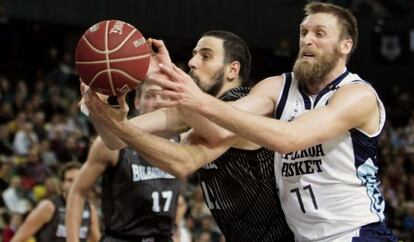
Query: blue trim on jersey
<point x="366" y="165"/>
<point x="307" y="101"/>
<point x="332" y="86"/>
<point x="285" y="92"/>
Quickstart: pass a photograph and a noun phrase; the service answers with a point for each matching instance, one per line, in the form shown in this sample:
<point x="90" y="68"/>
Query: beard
<point x="309" y="74"/>
<point x="213" y="87"/>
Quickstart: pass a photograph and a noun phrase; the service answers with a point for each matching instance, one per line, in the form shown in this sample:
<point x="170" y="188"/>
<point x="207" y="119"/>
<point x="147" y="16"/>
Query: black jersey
<point x="240" y="191"/>
<point x="139" y="201"/>
<point x="55" y="230"/>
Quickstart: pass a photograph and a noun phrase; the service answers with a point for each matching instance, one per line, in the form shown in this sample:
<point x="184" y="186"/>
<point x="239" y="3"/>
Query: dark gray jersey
<point x="138" y="200"/>
<point x="55" y="230"/>
<point x="240" y="191"/>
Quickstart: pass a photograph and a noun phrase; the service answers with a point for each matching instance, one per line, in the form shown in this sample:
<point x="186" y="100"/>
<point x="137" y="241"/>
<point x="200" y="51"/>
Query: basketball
<point x="112" y="57"/>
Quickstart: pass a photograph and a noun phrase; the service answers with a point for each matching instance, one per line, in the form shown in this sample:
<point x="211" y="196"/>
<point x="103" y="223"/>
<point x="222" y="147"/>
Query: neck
<point x="326" y="80"/>
<point x="228" y="86"/>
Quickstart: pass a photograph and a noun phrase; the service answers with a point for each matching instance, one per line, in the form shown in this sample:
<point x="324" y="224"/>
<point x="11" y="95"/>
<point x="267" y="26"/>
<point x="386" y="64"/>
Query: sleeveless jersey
<point x="55" y="230"/>
<point x="239" y="189"/>
<point x="331" y="189"/>
<point x="139" y="201"/>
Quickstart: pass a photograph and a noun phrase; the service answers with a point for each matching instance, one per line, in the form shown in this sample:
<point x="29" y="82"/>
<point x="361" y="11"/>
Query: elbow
<point x="182" y="171"/>
<point x="290" y="144"/>
<point x="77" y="193"/>
<point x="115" y="146"/>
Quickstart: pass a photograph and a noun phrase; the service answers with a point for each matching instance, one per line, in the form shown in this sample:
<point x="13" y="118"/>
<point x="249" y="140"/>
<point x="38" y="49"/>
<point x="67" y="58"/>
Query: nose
<point x="307" y="39"/>
<point x="192" y="62"/>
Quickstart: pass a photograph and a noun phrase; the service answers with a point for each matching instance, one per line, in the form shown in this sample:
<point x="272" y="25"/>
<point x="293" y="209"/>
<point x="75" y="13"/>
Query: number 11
<point x="308" y="187"/>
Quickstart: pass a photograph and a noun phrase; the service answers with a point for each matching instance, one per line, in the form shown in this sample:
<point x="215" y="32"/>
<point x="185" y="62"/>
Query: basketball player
<point x="139" y="201"/>
<point x="236" y="176"/>
<point x="325" y="130"/>
<point x="47" y="221"/>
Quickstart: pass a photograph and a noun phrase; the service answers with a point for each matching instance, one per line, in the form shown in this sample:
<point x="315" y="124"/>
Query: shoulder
<point x="46" y="205"/>
<point x="44" y="211"/>
<point x="356" y="92"/>
<point x="357" y="104"/>
<point x="268" y="85"/>
<point x="235" y="93"/>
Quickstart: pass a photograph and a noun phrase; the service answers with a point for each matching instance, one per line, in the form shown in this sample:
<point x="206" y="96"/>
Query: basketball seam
<point x="113" y="70"/>
<point x="93" y="47"/>
<point x="126" y="74"/>
<point x="114" y="60"/>
<point x="96" y="76"/>
<point x="123" y="42"/>
<point x="108" y="65"/>
<point x="106" y="49"/>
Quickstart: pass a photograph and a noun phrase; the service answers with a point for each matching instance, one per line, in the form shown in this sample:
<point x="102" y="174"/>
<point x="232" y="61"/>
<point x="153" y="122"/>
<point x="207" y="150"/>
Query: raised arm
<point x="183" y="93"/>
<point x="179" y="160"/>
<point x="352" y="106"/>
<point x="99" y="158"/>
<point x="40" y="216"/>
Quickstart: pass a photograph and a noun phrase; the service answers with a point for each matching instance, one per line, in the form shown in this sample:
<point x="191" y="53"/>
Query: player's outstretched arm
<point x="183" y="93"/>
<point x="179" y="160"/>
<point x="186" y="96"/>
<point x="352" y="106"/>
<point x="347" y="109"/>
<point x="99" y="158"/>
<point x="40" y="216"/>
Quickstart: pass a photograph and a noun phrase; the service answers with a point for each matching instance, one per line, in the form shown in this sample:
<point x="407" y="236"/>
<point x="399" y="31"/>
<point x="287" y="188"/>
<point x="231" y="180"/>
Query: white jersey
<point x="330" y="190"/>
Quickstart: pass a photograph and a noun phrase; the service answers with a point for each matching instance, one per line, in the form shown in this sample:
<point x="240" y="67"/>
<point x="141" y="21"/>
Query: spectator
<point x="14" y="197"/>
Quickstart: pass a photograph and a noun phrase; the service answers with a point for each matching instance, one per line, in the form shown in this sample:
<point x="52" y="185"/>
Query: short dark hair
<point x="68" y="166"/>
<point x="235" y="49"/>
<point x="347" y="21"/>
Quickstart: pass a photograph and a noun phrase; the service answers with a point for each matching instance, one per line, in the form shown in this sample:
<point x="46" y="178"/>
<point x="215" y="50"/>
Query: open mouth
<point x="308" y="55"/>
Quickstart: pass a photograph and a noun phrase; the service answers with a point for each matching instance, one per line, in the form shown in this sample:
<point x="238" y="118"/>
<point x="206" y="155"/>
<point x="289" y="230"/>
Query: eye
<point x="303" y="32"/>
<point x="205" y="57"/>
<point x="320" y="34"/>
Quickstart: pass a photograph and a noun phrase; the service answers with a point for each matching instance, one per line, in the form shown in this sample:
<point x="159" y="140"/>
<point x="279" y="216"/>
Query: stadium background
<point x="41" y="127"/>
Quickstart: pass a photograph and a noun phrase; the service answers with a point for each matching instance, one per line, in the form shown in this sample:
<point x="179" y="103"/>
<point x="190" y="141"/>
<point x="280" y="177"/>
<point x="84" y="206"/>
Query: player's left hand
<point x="101" y="112"/>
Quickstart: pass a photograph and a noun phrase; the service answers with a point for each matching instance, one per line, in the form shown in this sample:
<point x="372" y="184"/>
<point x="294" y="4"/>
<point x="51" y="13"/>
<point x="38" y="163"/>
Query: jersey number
<point x="210" y="199"/>
<point x="167" y="195"/>
<point x="308" y="187"/>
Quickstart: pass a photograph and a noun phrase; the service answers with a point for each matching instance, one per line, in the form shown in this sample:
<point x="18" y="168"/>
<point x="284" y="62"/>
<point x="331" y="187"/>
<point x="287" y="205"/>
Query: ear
<point x="346" y="46"/>
<point x="233" y="70"/>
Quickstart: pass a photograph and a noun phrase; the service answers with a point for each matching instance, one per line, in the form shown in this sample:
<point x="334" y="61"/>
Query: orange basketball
<point x="112" y="57"/>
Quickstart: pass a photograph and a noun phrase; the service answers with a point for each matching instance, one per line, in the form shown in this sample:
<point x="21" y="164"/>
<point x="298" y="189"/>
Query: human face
<point x="69" y="178"/>
<point x="319" y="51"/>
<point x="207" y="66"/>
<point x="147" y="101"/>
